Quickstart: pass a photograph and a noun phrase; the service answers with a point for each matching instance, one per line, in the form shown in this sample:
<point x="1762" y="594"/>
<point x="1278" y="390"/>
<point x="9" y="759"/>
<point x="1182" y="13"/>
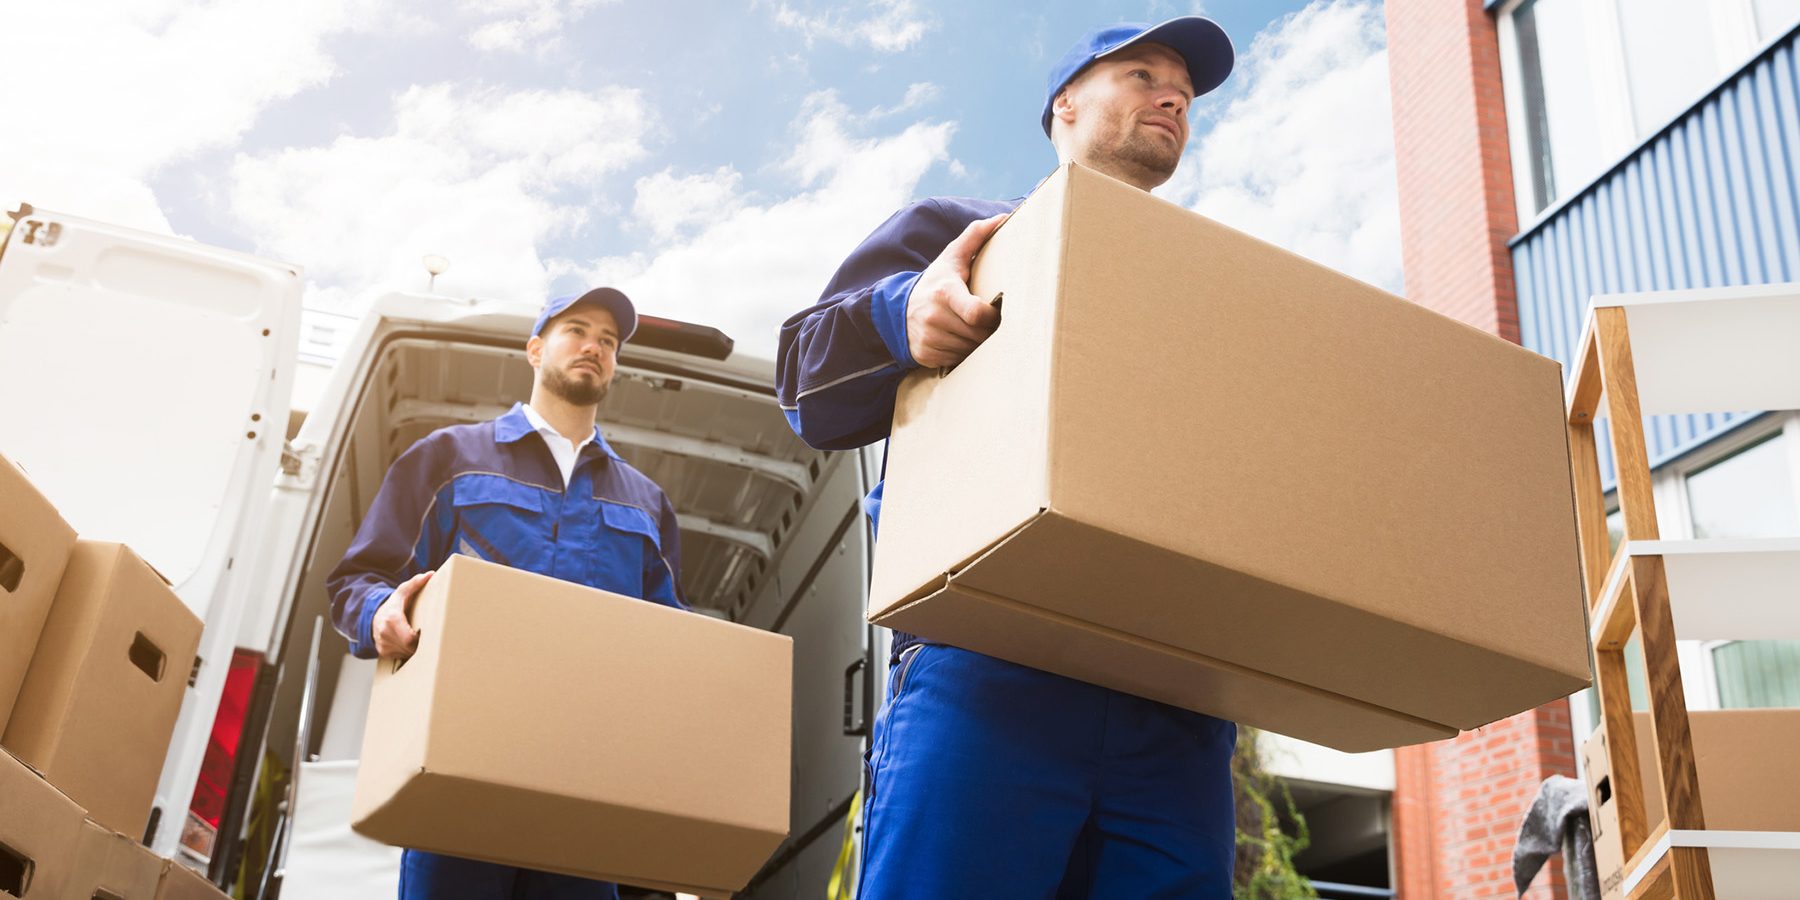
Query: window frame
<point x="1735" y="39"/>
<point x="1699" y="676"/>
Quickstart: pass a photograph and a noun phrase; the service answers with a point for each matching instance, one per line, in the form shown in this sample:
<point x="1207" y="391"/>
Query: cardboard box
<point x="1747" y="782"/>
<point x="39" y="833"/>
<point x="34" y="545"/>
<point x="548" y="725"/>
<point x="178" y="882"/>
<point x="99" y="704"/>
<point x="111" y="866"/>
<point x="1192" y="466"/>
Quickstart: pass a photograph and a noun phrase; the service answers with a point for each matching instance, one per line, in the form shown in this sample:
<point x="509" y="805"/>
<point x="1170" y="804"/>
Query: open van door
<point x="144" y="386"/>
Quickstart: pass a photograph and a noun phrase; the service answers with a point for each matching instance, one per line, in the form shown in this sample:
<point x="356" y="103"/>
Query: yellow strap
<point x="841" y="887"/>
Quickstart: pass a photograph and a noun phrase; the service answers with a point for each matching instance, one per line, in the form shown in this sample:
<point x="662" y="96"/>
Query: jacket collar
<point x="514" y="425"/>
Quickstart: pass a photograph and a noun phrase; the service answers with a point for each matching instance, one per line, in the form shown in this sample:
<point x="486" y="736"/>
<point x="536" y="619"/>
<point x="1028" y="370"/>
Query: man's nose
<point x="1175" y="103"/>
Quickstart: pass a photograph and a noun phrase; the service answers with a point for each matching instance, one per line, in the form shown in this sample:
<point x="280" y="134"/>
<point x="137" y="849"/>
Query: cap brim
<point x="612" y="300"/>
<point x="1203" y="45"/>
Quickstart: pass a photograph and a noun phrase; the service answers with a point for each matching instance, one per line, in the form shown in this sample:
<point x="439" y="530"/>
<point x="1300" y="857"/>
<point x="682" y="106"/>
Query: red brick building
<point x="1457" y="804"/>
<point x="1607" y="181"/>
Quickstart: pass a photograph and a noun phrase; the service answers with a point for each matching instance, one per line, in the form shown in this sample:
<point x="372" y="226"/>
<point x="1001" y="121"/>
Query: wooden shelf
<point x="1719" y="590"/>
<point x="1709" y="350"/>
<point x="1746" y="865"/>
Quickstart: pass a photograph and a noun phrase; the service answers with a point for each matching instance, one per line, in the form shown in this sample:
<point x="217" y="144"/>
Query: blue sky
<point x="716" y="160"/>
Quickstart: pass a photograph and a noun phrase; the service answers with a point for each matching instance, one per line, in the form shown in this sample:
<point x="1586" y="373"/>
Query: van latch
<point x="293" y="459"/>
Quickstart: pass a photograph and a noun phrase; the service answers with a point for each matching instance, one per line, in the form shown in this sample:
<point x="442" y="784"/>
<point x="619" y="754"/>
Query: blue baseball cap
<point x="1202" y="44"/>
<point x="610" y="299"/>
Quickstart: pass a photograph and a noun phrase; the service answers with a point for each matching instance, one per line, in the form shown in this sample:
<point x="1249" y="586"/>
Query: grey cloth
<point x="1558" y="819"/>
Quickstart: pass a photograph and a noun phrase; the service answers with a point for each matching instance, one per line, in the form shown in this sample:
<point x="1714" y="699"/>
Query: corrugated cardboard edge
<point x="718" y="892"/>
<point x="364" y="804"/>
<point x="876" y="616"/>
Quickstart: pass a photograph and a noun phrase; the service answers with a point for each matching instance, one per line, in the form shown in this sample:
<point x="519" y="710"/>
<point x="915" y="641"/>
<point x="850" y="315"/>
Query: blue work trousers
<point x="990" y="779"/>
<point x="435" y="876"/>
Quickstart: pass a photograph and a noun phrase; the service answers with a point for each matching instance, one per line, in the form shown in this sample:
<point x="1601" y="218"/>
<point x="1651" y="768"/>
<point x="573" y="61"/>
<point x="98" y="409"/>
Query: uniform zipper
<point x="906" y="660"/>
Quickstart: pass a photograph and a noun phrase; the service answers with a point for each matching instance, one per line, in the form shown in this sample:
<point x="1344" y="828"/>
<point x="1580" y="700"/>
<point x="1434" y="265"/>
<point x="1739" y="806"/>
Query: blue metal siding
<point x="1712" y="200"/>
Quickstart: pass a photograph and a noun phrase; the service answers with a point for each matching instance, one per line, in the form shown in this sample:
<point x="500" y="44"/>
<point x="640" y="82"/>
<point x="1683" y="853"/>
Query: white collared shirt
<point x="564" y="450"/>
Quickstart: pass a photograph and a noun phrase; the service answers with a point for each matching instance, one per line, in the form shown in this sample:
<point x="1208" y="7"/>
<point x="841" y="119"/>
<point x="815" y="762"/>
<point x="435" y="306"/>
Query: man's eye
<point x="1141" y="73"/>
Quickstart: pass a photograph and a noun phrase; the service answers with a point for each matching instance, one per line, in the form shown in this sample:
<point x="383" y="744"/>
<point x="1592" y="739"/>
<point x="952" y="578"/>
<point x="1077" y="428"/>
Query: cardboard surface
<point x="178" y="882"/>
<point x="1182" y="435"/>
<point x="34" y="545"/>
<point x="40" y="830"/>
<point x="111" y="866"/>
<point x="100" y="701"/>
<point x="1747" y="781"/>
<point x="587" y="728"/>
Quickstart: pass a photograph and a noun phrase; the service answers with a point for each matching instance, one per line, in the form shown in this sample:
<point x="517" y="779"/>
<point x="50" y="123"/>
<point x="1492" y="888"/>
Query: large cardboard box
<point x="178" y="882"/>
<point x="40" y="829"/>
<point x="111" y="866"/>
<point x="99" y="704"/>
<point x="34" y="546"/>
<point x="549" y="725"/>
<point x="1743" y="759"/>
<point x="1195" y="467"/>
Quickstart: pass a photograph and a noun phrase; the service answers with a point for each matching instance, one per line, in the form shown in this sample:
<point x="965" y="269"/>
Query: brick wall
<point x="1458" y="803"/>
<point x="1455" y="175"/>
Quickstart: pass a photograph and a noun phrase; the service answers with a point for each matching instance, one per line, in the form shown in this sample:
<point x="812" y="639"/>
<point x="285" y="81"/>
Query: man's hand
<point x="394" y="634"/>
<point x="944" y="322"/>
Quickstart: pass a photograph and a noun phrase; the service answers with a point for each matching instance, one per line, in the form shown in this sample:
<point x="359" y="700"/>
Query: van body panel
<point x="165" y="368"/>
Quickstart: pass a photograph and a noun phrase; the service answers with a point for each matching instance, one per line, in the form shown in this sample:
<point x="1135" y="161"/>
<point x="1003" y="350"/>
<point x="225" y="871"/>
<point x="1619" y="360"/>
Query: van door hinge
<point x="194" y="676"/>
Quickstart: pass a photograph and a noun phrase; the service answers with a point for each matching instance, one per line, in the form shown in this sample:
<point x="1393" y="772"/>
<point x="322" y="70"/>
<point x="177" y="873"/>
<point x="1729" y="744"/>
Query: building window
<point x="1560" y="86"/>
<point x="1775" y="18"/>
<point x="1749" y="494"/>
<point x="1586" y="80"/>
<point x="1757" y="673"/>
<point x="1671" y="57"/>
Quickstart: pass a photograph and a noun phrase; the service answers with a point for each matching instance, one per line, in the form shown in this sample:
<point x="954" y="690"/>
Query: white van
<point x="145" y="385"/>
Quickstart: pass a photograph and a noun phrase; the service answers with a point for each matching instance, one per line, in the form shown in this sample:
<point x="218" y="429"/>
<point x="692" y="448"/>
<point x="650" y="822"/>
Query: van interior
<point x="772" y="536"/>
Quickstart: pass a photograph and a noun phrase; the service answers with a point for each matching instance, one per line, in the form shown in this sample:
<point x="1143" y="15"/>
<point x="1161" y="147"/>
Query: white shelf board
<point x="1712" y="350"/>
<point x="1726" y="590"/>
<point x="1746" y="865"/>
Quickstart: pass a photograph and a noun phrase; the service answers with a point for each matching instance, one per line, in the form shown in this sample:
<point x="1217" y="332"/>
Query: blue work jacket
<point x="493" y="491"/>
<point x="840" y="361"/>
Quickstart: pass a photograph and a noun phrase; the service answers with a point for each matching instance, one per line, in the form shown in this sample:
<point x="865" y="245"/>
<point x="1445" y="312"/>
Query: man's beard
<point x="580" y="393"/>
<point x="1130" y="151"/>
<point x="1148" y="156"/>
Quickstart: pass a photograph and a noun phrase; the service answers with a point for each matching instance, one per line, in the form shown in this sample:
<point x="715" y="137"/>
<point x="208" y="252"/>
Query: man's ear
<point x="534" y="350"/>
<point x="1063" y="107"/>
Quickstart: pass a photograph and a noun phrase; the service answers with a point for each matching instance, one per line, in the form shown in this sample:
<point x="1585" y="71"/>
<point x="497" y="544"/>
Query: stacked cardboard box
<point x="1740" y="758"/>
<point x="101" y="679"/>
<point x="40" y="833"/>
<point x="113" y="866"/>
<point x="585" y="727"/>
<point x="34" y="546"/>
<point x="178" y="882"/>
<point x="1197" y="468"/>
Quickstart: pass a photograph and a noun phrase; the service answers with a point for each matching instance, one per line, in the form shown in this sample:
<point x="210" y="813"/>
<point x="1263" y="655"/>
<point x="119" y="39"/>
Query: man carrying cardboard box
<point x="989" y="779"/>
<point x="536" y="489"/>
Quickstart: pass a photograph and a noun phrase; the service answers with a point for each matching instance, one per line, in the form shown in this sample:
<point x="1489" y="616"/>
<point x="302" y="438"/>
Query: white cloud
<point x="918" y="94"/>
<point x="885" y="25"/>
<point x="1304" y="156"/>
<point x="748" y="270"/>
<point x="481" y="176"/>
<point x="102" y="94"/>
<point x="517" y="25"/>
<point x="667" y="204"/>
